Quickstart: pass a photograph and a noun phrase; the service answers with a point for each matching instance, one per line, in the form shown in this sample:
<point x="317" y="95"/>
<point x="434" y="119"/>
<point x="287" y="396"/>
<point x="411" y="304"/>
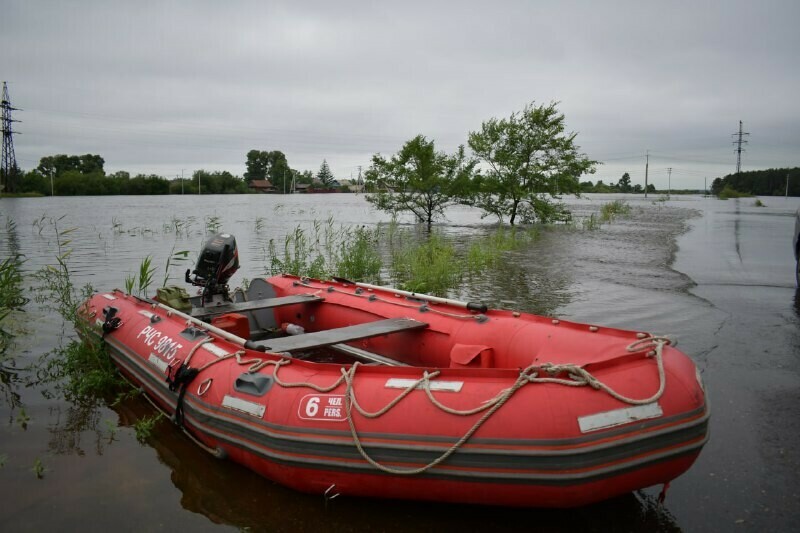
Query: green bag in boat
<point x="175" y="297"/>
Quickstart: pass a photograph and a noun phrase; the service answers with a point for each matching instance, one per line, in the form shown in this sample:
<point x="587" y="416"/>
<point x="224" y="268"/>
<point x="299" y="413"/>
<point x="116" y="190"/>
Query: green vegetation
<point x="728" y="192"/>
<point x="622" y="186"/>
<point x="419" y="180"/>
<point x="430" y="266"/>
<point x="38" y="468"/>
<point x="771" y="182"/>
<point x="325" y="176"/>
<point x="81" y="367"/>
<point x="145" y="425"/>
<point x="328" y="252"/>
<point x="530" y="160"/>
<point x="429" y="263"/>
<point x="488" y="252"/>
<point x="758" y="203"/>
<point x="23" y="418"/>
<point x="11" y="296"/>
<point x="269" y="165"/>
<point x="611" y="210"/>
<point x="139" y="283"/>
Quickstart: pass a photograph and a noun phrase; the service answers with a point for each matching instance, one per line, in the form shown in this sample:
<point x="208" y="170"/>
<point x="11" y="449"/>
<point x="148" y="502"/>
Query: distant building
<point x="261" y="186"/>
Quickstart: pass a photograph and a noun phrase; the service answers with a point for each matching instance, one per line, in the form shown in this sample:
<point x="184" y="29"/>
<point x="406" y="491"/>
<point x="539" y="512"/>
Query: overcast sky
<point x="157" y="87"/>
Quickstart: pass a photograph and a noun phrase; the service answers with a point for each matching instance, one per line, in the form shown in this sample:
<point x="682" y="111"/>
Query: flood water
<point x="716" y="275"/>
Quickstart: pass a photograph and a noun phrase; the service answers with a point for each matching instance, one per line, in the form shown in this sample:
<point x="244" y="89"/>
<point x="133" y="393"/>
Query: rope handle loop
<point x="204" y="386"/>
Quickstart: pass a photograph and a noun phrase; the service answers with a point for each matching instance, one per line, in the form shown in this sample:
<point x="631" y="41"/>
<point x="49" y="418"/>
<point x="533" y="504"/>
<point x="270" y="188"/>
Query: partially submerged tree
<point x="418" y="179"/>
<point x="530" y="160"/>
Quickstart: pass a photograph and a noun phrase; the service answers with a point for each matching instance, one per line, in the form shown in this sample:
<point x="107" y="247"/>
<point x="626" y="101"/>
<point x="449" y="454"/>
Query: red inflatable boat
<point x="383" y="393"/>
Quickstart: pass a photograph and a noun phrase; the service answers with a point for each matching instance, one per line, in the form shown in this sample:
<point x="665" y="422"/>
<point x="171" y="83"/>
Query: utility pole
<point x="705" y="186"/>
<point x="198" y="183"/>
<point x="8" y="171"/>
<point x="182" y="179"/>
<point x="646" y="167"/>
<point x="669" y="181"/>
<point x="787" y="185"/>
<point x="739" y="142"/>
<point x="360" y="186"/>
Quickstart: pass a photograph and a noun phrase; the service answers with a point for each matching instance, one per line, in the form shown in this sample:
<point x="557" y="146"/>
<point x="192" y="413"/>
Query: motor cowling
<point x="218" y="261"/>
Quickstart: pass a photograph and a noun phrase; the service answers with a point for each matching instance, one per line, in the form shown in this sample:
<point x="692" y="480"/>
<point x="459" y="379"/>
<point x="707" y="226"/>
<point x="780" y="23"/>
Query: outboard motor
<point x="219" y="260"/>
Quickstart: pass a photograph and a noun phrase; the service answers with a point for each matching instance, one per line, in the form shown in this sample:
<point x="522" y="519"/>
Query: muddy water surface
<point x="716" y="275"/>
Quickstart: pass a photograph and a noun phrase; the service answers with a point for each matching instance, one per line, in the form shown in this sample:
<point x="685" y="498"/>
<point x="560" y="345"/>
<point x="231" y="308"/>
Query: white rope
<point x="578" y="377"/>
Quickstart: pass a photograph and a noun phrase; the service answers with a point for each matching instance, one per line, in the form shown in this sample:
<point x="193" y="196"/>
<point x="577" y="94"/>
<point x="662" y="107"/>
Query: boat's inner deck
<point x="322" y="346"/>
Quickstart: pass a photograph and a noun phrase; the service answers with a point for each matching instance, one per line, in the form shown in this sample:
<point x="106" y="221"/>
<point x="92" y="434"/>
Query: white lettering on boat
<point x="619" y="417"/>
<point x="161" y="344"/>
<point x="237" y="404"/>
<point x="327" y="407"/>
<point x="398" y="383"/>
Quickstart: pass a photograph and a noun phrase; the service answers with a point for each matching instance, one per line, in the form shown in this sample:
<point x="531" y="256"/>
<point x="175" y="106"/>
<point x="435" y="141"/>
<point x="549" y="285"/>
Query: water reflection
<point x="228" y="494"/>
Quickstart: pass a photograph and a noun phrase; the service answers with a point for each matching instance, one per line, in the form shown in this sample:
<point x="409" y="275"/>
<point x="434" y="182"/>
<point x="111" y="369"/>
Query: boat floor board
<point x="317" y="339"/>
<point x="267" y="303"/>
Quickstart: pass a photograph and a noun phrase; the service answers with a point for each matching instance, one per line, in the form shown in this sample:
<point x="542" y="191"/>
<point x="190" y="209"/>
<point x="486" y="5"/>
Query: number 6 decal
<point x="312" y="407"/>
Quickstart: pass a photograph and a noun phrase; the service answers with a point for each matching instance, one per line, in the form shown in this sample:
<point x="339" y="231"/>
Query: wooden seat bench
<point x="318" y="339"/>
<point x="253" y="305"/>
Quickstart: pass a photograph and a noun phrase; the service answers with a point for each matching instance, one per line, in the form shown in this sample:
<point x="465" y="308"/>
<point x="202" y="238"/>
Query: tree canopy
<point x="418" y="179"/>
<point x="272" y="166"/>
<point x="325" y="175"/>
<point x="61" y="163"/>
<point x="771" y="182"/>
<point x="530" y="160"/>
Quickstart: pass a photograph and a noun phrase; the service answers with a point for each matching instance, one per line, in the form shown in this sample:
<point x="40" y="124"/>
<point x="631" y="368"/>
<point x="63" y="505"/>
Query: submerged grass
<point x="430" y="263"/>
<point x="612" y="210"/>
<point x="728" y="192"/>
<point x="327" y="251"/>
<point x="81" y="368"/>
<point x="11" y="298"/>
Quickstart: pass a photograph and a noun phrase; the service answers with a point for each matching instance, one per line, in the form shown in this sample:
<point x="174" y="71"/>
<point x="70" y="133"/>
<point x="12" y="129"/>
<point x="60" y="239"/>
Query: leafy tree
<point x="325" y="175"/>
<point x="34" y="181"/>
<point x="624" y="183"/>
<point x="770" y="182"/>
<point x="272" y="166"/>
<point x="418" y="179"/>
<point x="59" y="164"/>
<point x="219" y="182"/>
<point x="530" y="160"/>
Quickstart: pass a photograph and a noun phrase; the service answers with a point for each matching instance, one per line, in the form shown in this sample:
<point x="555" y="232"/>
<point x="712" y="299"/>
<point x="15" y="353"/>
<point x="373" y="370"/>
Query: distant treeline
<point x="84" y="175"/>
<point x="75" y="183"/>
<point x="770" y="182"/>
<point x="623" y="185"/>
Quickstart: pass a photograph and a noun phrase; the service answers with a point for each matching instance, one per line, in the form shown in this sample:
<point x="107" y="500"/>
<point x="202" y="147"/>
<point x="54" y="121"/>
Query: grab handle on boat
<point x="470" y="306"/>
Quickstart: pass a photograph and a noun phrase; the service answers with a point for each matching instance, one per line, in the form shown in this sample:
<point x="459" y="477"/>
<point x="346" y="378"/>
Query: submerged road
<point x="748" y="476"/>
